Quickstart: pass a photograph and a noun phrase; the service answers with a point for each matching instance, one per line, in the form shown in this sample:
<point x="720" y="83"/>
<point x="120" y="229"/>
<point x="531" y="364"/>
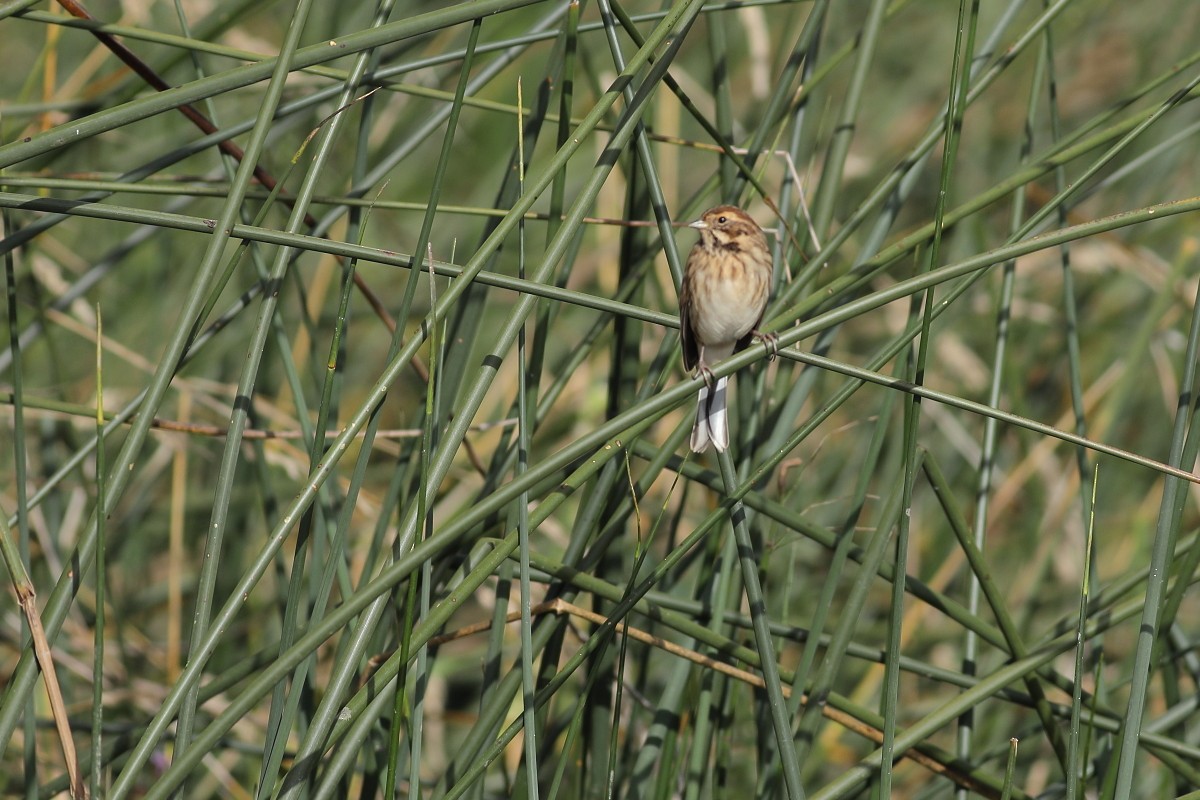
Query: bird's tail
<point x="712" y="421"/>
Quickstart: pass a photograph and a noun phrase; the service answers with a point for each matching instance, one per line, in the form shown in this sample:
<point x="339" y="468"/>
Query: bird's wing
<point x="691" y="350"/>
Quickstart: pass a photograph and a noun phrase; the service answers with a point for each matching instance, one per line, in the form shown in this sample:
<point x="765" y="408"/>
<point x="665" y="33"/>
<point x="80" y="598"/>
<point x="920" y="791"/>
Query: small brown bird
<point x="726" y="284"/>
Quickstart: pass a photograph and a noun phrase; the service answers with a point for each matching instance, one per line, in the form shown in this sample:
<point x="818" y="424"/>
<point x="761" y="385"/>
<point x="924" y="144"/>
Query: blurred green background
<point x="319" y="470"/>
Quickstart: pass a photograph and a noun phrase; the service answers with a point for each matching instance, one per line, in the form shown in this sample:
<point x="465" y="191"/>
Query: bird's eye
<point x="722" y="220"/>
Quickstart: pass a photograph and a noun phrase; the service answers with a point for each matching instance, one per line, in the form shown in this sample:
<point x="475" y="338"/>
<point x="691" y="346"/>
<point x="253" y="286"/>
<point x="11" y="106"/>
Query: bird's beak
<point x="698" y="225"/>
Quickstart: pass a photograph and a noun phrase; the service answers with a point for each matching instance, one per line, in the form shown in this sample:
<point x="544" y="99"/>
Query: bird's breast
<point x="729" y="301"/>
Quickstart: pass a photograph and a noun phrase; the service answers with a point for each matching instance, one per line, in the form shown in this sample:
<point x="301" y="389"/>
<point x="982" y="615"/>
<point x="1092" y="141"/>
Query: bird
<point x="726" y="285"/>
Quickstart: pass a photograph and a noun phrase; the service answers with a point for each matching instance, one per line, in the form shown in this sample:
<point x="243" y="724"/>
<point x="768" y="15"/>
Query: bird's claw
<point x="770" y="341"/>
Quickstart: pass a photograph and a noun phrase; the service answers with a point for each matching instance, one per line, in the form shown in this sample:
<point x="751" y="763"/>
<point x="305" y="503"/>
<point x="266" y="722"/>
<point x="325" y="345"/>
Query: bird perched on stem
<point x="726" y="284"/>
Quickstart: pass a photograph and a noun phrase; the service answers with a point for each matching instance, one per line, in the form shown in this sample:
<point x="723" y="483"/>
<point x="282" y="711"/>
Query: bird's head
<point x="727" y="227"/>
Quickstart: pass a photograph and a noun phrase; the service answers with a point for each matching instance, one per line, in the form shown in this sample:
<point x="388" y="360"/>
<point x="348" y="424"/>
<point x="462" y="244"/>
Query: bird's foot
<point x="770" y="340"/>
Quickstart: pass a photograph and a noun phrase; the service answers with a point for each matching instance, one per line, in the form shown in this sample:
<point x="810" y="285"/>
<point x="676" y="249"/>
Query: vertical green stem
<point x="524" y="422"/>
<point x="762" y="635"/>
<point x="97" y="771"/>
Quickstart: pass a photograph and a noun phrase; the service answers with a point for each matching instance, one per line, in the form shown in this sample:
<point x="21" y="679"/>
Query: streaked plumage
<point x="726" y="285"/>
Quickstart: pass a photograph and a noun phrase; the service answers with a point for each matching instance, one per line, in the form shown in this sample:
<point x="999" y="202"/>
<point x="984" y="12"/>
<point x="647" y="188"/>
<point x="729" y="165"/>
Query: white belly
<point x="724" y="320"/>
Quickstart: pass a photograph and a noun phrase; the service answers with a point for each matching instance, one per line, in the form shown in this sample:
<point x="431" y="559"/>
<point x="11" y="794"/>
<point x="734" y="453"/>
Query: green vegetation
<point x="952" y="532"/>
